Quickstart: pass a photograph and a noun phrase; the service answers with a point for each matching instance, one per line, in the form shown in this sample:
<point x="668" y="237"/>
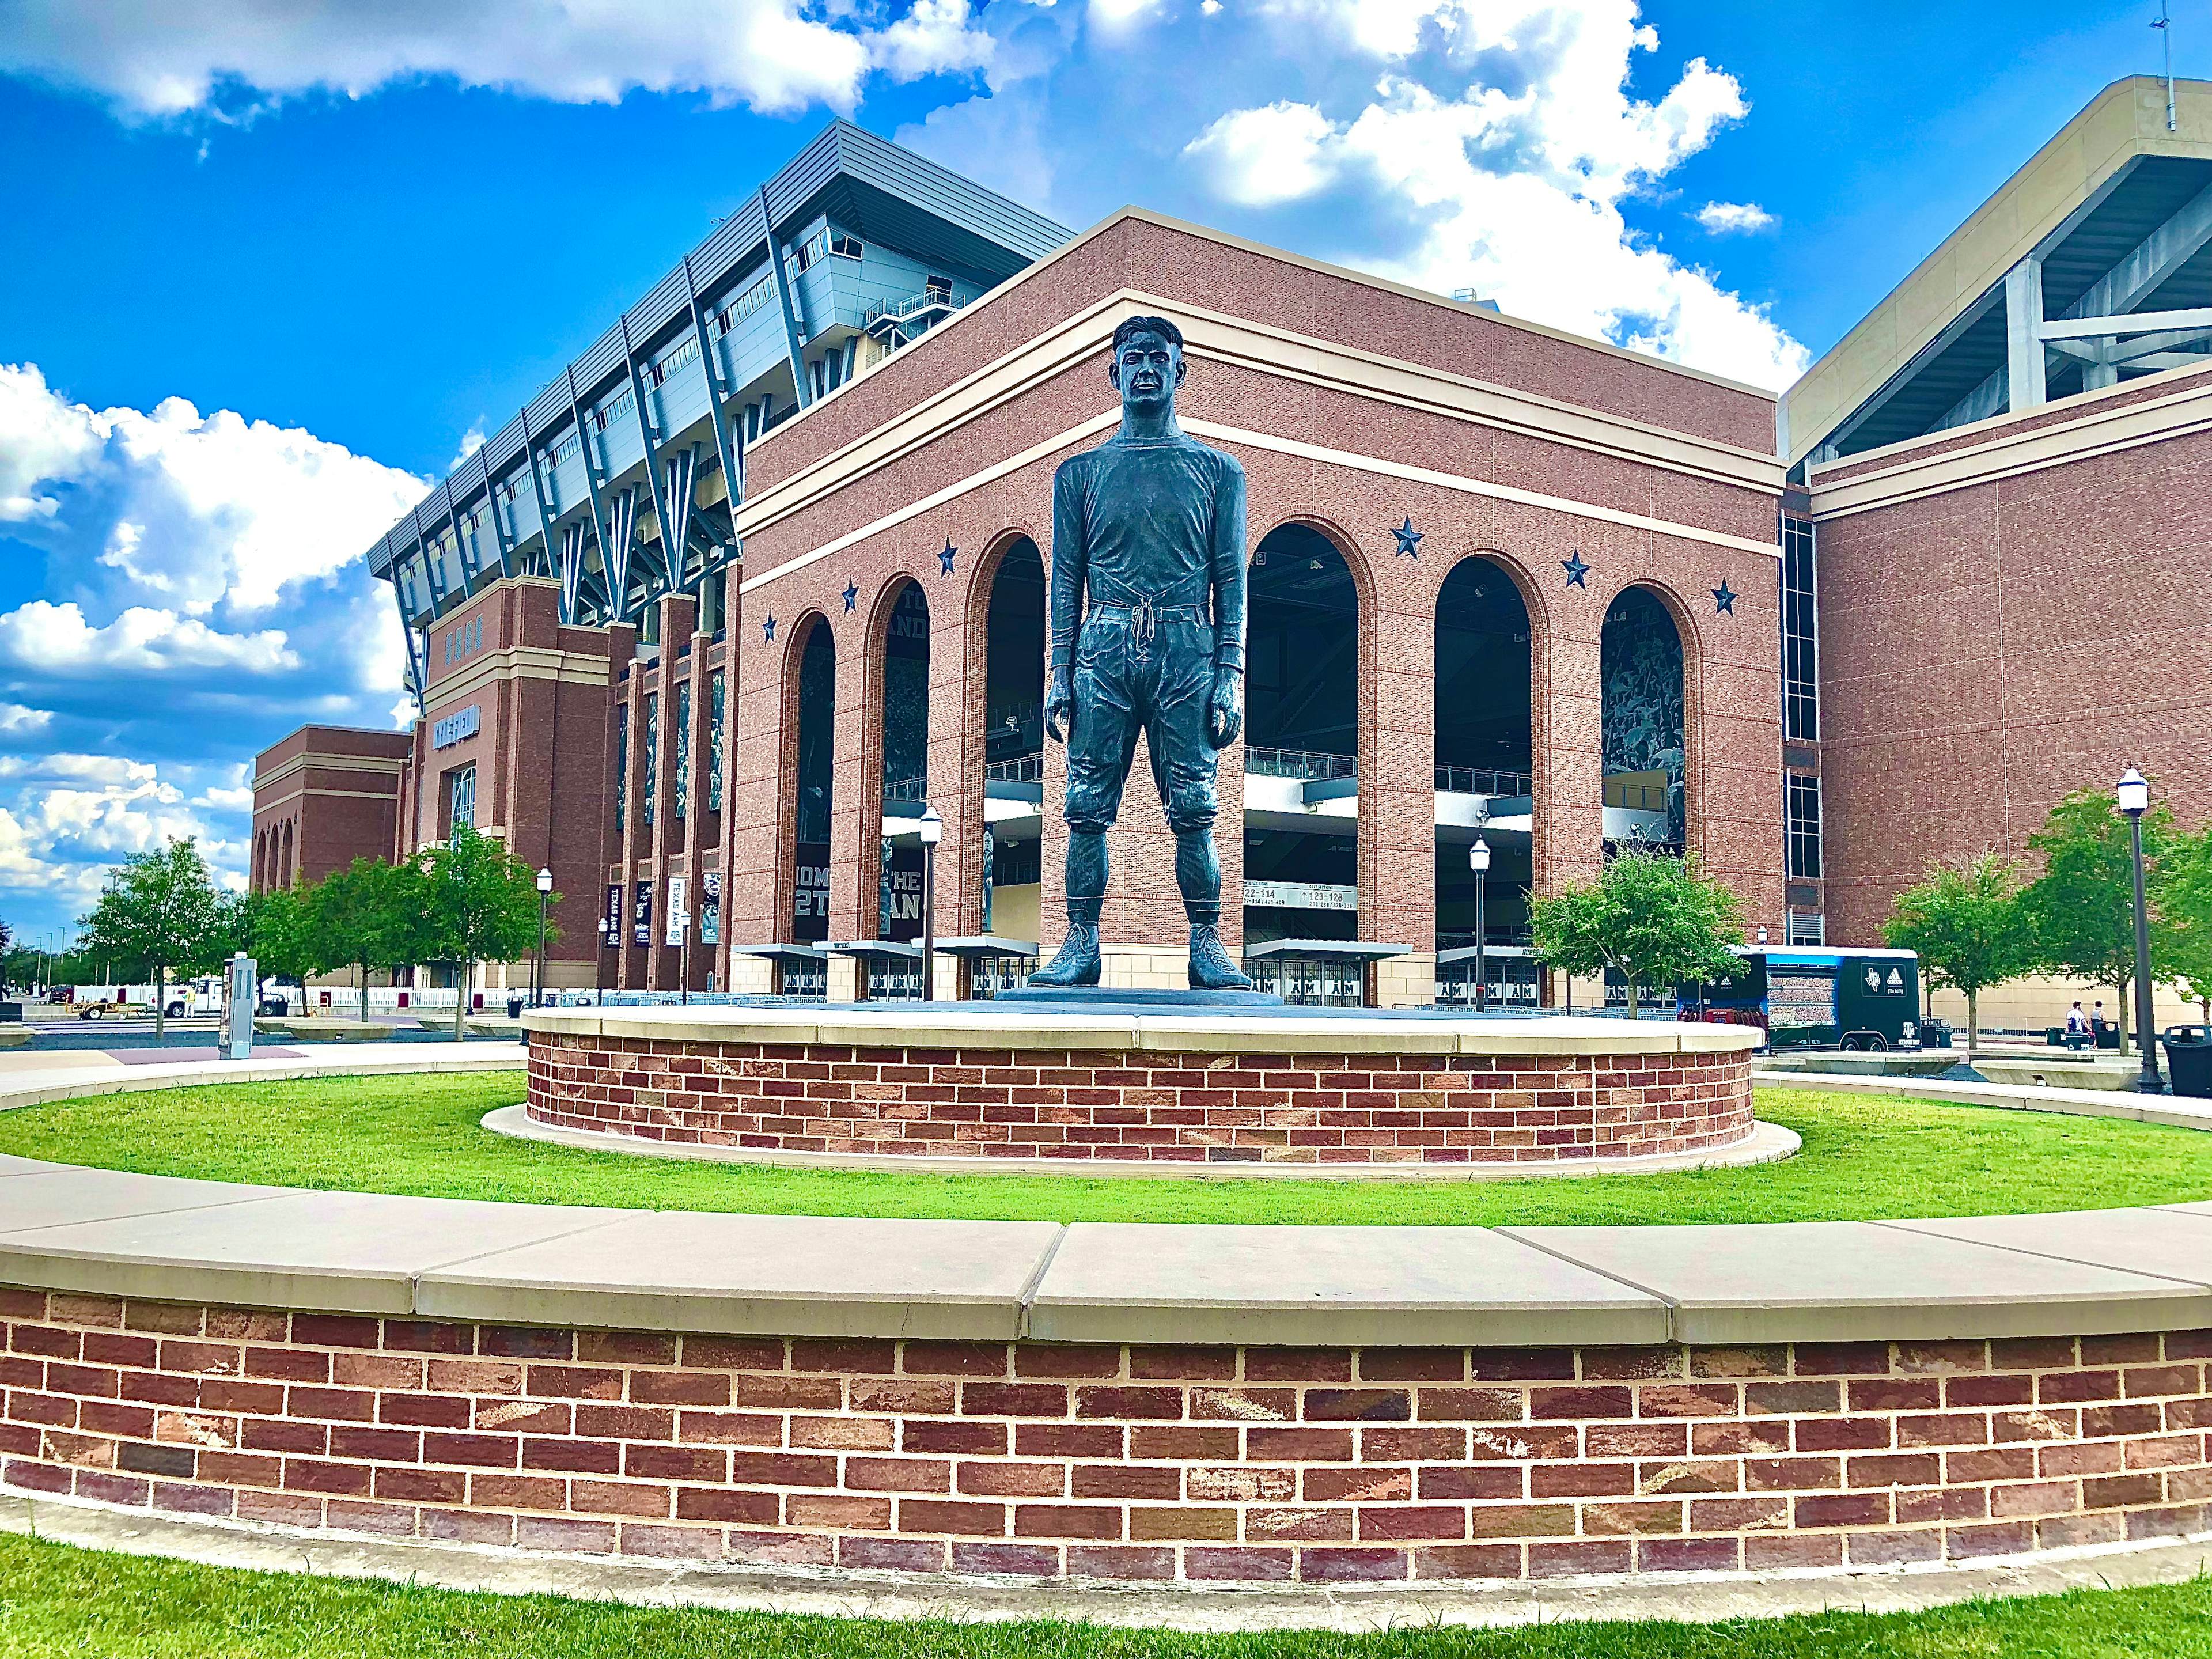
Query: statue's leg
<point x="1099" y="746"/>
<point x="1184" y="766"/>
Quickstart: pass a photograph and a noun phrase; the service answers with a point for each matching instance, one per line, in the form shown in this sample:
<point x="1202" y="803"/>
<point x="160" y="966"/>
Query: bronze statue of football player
<point x="1148" y="558"/>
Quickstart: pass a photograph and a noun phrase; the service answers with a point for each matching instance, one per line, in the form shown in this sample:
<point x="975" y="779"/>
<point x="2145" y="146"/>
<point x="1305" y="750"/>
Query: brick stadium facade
<point x="1049" y="1461"/>
<point x="1890" y="618"/>
<point x="1148" y="1106"/>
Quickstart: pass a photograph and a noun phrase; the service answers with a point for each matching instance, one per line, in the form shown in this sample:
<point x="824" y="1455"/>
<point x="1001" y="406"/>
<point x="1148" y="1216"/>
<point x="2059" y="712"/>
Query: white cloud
<point x="166" y="57"/>
<point x="14" y="717"/>
<point x="43" y="441"/>
<point x="44" y="638"/>
<point x="471" y="441"/>
<point x="1277" y="153"/>
<point x="1732" y="218"/>
<point x="933" y="39"/>
<point x="1518" y="194"/>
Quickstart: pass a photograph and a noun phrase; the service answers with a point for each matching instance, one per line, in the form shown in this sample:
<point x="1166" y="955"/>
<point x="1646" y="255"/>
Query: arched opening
<point x="288" y="871"/>
<point x="259" y="880"/>
<point x="1302" y="762"/>
<point x="1486" y="788"/>
<point x="1640" y="671"/>
<point x="1011" y="869"/>
<point x="813" y="704"/>
<point x="905" y="717"/>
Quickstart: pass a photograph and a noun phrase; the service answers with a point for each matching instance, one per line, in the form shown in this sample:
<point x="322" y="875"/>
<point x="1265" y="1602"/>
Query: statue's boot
<point x="1077" y="962"/>
<point x="1211" y="968"/>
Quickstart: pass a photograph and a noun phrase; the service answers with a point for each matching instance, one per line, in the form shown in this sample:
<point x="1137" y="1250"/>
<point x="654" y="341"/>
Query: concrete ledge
<point x="64" y="1074"/>
<point x="962" y="1025"/>
<point x="1768" y="1143"/>
<point x="2170" y="1111"/>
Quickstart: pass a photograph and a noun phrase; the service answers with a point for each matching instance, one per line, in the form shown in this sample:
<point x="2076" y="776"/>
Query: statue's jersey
<point x="1160" y="520"/>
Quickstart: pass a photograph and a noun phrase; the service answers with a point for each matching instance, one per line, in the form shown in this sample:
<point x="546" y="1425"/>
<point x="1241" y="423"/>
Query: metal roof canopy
<point x="2146" y="193"/>
<point x="888" y="190"/>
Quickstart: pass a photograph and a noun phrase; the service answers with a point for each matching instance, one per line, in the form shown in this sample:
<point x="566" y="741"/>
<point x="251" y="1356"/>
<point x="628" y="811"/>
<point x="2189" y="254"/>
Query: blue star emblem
<point x="1576" y="569"/>
<point x="1408" y="538"/>
<point x="1723" y="600"/>
<point x="767" y="631"/>
<point x="852" y="593"/>
<point x="945" y="559"/>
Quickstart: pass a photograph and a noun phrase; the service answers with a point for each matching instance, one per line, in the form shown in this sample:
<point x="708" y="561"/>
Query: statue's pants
<point x="1150" y="674"/>
<point x="1160" y="685"/>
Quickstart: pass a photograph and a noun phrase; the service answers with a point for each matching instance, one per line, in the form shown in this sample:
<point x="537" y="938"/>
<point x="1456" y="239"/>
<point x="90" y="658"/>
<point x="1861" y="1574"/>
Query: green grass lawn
<point x="1865" y="1158"/>
<point x="56" y="1600"/>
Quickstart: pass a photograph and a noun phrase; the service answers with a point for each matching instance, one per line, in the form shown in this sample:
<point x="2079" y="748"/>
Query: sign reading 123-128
<point x="454" y="727"/>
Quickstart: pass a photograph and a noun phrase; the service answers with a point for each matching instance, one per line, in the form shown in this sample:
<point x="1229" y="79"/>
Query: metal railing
<point x="1483" y="781"/>
<point x="1021" y="769"/>
<point x="1308" y="765"/>
<point x="908" y="789"/>
<point x="895" y="312"/>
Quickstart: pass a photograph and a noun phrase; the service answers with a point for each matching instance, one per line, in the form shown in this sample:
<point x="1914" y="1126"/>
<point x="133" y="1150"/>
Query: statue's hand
<point x="1224" y="714"/>
<point x="1059" y="707"/>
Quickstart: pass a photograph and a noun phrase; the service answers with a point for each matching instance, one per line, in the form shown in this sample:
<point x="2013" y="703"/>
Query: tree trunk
<point x="1632" y="996"/>
<point x="461" y="1000"/>
<point x="160" y="1001"/>
<point x="2120" y="1016"/>
<point x="1973" y="1021"/>
<point x="364" y="993"/>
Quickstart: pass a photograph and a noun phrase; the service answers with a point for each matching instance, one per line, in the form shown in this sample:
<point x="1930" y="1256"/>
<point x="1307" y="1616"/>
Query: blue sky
<point x="272" y="264"/>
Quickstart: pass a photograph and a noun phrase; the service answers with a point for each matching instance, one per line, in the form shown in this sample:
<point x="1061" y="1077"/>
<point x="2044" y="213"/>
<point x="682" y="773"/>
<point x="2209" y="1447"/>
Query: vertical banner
<point x="611" y="924"/>
<point x="642" y="922"/>
<point x="710" y="908"/>
<point x="810" y="901"/>
<point x="679" y="911"/>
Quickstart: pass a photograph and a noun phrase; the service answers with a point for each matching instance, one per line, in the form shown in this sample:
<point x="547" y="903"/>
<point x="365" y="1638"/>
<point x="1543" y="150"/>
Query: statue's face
<point x="1146" y="372"/>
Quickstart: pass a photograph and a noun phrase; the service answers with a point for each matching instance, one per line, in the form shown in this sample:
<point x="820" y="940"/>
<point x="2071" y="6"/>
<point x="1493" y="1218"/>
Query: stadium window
<point x="1800" y="650"/>
<point x="845" y="245"/>
<point x="1802" y="809"/>
<point x="460" y="799"/>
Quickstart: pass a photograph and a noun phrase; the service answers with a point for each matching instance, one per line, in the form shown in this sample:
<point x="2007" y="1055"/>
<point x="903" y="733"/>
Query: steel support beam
<point x="786" y="300"/>
<point x="545" y="520"/>
<point x="501" y="537"/>
<point x="2024" y="357"/>
<point x="731" y="455"/>
<point x="672" y="536"/>
<point x="2101" y="324"/>
<point x="599" y="509"/>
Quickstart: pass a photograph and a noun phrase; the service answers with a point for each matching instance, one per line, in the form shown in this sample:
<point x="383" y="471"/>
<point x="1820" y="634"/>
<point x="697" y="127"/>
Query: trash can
<point x="2189" y="1064"/>
<point x="515" y="1007"/>
<point x="1934" y="1033"/>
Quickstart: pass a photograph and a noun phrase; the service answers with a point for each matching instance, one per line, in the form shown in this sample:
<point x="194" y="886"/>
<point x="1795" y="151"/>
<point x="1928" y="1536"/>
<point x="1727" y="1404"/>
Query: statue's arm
<point x="1071" y="561"/>
<point x="1227" y="561"/>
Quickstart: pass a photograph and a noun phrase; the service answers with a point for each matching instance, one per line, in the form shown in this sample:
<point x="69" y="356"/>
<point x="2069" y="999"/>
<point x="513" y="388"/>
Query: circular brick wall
<point x="1174" y="1464"/>
<point x="1141" y="1104"/>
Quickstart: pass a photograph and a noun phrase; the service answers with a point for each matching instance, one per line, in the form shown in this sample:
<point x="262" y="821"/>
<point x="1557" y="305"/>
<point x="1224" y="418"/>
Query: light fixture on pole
<point x="2133" y="791"/>
<point x="1762" y="933"/>
<point x="1478" y="859"/>
<point x="932" y="830"/>
<point x="537" y="978"/>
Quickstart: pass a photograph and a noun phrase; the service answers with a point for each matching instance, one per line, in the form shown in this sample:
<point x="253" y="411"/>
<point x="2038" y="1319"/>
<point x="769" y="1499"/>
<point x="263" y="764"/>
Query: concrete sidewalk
<point x="27" y="1076"/>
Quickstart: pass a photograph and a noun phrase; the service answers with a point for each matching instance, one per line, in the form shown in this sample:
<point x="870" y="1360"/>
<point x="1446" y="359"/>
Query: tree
<point x="480" y="905"/>
<point x="2082" y="908"/>
<point x="270" y="927"/>
<point x="2185" y="901"/>
<point x="1654" y="918"/>
<point x="7" y="955"/>
<point x="366" y="916"/>
<point x="1966" y="924"/>
<point x="158" y="909"/>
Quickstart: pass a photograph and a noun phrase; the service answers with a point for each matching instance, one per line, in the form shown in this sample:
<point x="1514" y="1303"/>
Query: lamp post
<point x="2134" y="793"/>
<point x="1478" y="859"/>
<point x="538" y="977"/>
<point x="932" y="831"/>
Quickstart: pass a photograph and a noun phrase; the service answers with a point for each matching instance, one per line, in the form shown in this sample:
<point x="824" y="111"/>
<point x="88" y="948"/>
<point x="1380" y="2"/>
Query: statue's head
<point x="1147" y="364"/>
